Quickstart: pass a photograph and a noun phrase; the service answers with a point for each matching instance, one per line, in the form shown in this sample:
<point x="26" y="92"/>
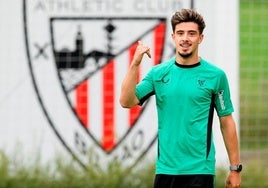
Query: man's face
<point x="187" y="38"/>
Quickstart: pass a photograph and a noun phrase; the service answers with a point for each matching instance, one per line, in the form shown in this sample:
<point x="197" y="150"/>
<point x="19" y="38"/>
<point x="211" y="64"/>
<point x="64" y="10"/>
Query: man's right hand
<point x="140" y="51"/>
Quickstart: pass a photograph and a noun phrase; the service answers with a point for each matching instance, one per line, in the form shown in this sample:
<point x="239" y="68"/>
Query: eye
<point x="179" y="33"/>
<point x="192" y="33"/>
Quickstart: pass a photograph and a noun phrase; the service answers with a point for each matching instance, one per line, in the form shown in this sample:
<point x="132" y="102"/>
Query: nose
<point x="185" y="37"/>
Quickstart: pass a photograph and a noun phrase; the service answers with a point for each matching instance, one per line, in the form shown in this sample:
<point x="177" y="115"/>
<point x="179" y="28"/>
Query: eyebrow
<point x="195" y="31"/>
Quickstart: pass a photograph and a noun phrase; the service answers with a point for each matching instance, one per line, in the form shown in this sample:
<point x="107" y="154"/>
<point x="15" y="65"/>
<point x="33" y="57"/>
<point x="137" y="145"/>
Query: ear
<point x="172" y="36"/>
<point x="201" y="38"/>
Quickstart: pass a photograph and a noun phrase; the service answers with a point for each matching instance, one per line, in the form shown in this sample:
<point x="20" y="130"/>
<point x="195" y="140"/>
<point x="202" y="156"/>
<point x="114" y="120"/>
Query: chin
<point x="185" y="55"/>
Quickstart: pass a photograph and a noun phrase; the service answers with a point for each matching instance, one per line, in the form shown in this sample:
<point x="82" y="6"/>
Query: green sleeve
<point x="223" y="101"/>
<point x="145" y="88"/>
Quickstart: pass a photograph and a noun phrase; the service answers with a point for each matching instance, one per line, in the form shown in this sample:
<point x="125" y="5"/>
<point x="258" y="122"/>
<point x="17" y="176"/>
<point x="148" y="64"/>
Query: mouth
<point x="185" y="45"/>
<point x="185" y="50"/>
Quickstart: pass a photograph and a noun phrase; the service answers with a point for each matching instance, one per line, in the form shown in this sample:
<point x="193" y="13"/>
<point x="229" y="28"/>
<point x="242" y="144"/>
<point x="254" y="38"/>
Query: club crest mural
<point x="78" y="54"/>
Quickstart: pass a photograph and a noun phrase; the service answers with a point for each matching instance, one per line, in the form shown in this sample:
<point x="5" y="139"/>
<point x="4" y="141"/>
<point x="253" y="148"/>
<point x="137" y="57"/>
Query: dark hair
<point x="188" y="15"/>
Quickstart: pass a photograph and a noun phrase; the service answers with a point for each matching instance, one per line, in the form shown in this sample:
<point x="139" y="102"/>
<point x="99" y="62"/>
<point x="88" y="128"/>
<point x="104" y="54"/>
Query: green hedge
<point x="14" y="173"/>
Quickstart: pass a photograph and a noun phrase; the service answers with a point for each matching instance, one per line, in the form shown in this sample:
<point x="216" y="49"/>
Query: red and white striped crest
<point x="91" y="71"/>
<point x="78" y="55"/>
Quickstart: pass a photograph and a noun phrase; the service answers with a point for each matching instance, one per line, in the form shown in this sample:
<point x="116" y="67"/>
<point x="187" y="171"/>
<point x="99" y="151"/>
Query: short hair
<point x="188" y="15"/>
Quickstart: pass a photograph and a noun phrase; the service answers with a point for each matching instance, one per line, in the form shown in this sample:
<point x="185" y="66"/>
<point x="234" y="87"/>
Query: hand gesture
<point x="140" y="51"/>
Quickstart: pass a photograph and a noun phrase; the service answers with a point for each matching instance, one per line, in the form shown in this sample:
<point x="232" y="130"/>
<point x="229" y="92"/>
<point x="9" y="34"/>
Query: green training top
<point x="186" y="97"/>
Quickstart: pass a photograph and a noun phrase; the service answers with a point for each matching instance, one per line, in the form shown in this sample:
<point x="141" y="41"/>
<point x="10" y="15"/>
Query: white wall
<point x="23" y="123"/>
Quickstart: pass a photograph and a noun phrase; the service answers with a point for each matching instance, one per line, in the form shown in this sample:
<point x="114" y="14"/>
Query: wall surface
<point x="62" y="63"/>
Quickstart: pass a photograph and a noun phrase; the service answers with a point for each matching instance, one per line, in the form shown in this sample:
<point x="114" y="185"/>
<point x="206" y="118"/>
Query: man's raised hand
<point x="140" y="51"/>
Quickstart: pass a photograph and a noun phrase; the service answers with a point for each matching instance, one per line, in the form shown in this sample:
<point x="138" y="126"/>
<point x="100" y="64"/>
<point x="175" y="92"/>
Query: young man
<point x="187" y="89"/>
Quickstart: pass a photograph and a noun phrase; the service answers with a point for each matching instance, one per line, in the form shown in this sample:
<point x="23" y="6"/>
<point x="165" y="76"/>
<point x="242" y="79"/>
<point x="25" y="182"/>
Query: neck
<point x="188" y="60"/>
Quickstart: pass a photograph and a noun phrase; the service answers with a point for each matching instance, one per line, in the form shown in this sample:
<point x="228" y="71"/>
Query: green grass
<point x="60" y="173"/>
<point x="65" y="174"/>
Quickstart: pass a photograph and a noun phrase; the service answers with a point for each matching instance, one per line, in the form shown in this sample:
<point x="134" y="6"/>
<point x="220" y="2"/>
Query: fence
<point x="253" y="77"/>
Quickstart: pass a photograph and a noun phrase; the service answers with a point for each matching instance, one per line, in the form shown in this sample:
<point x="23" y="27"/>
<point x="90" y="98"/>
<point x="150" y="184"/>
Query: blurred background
<point x="64" y="170"/>
<point x="253" y="78"/>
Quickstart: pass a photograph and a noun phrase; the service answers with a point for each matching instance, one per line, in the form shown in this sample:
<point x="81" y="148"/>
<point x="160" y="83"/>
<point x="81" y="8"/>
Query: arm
<point x="228" y="129"/>
<point x="128" y="97"/>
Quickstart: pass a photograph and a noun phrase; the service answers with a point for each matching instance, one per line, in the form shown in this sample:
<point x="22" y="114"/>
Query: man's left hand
<point x="233" y="180"/>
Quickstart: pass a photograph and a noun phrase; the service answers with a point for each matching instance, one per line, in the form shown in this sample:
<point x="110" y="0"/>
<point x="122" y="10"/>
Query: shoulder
<point x="164" y="64"/>
<point x="163" y="68"/>
<point x="209" y="67"/>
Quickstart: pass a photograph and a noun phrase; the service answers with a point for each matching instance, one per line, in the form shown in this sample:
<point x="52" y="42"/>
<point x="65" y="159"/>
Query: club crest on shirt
<point x="201" y="83"/>
<point x="78" y="54"/>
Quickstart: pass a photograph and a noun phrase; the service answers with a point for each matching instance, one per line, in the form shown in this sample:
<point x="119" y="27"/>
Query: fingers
<point x="144" y="49"/>
<point x="148" y="53"/>
<point x="141" y="49"/>
<point x="229" y="185"/>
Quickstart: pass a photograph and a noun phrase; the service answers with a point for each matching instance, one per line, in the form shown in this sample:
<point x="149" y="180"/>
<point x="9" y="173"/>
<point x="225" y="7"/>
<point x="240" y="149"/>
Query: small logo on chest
<point x="201" y="83"/>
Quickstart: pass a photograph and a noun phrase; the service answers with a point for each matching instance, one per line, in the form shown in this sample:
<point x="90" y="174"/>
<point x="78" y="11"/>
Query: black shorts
<point x="184" y="181"/>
